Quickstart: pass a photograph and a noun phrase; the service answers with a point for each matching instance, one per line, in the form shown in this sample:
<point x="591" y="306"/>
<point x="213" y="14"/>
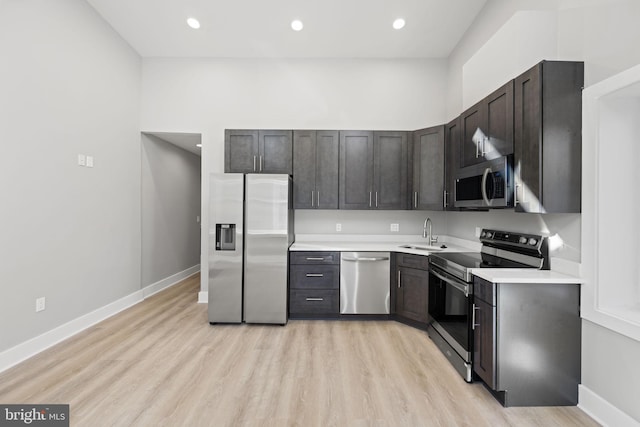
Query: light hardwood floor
<point x="161" y="363"/>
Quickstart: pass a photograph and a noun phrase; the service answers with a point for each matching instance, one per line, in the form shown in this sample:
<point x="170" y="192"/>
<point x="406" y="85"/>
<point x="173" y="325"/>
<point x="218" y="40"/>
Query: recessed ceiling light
<point x="297" y="25"/>
<point x="199" y="145"/>
<point x="193" y="23"/>
<point x="398" y="23"/>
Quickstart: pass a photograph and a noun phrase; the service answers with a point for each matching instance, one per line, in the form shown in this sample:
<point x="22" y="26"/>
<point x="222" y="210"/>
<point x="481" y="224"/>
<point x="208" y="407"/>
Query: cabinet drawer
<point x="412" y="261"/>
<point x="315" y="276"/>
<point x="314" y="301"/>
<point x="484" y="290"/>
<point x="315" y="257"/>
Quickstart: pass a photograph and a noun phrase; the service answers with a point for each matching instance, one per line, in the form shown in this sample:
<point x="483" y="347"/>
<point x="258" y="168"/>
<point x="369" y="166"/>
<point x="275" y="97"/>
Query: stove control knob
<point x="533" y="241"/>
<point x="489" y="234"/>
<point x="483" y="234"/>
<point x="522" y="240"/>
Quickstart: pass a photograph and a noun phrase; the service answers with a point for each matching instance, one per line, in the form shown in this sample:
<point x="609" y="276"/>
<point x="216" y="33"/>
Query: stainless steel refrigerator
<point x="250" y="231"/>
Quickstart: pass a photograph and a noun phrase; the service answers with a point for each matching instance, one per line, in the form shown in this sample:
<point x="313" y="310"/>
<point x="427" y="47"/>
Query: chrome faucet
<point x="427" y="233"/>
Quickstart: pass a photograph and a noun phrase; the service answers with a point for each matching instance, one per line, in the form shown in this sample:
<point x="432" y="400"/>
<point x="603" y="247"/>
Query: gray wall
<point x="565" y="228"/>
<point x="600" y="33"/>
<point x="367" y="222"/>
<point x="206" y="96"/>
<point x="170" y="207"/>
<point x="68" y="85"/>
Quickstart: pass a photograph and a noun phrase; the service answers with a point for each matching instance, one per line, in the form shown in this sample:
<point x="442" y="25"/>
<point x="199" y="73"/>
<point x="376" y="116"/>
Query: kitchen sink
<point x="424" y="247"/>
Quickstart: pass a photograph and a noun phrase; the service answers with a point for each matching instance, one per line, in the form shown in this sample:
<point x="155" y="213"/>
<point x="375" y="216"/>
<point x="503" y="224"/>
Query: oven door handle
<point x="458" y="286"/>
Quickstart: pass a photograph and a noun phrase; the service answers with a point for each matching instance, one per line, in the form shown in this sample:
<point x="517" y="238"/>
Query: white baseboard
<point x="30" y="348"/>
<point x="167" y="282"/>
<point x="602" y="411"/>
<point x="203" y="297"/>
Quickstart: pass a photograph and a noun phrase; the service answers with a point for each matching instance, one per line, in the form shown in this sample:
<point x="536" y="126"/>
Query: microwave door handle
<point x="485" y="175"/>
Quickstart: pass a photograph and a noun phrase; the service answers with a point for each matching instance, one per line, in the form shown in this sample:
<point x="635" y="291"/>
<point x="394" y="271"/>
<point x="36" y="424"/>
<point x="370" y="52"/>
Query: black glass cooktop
<point x="478" y="260"/>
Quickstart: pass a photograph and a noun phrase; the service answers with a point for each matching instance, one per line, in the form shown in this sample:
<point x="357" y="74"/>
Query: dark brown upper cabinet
<point x="427" y="169"/>
<point x="451" y="150"/>
<point x="487" y="128"/>
<point x="258" y="151"/>
<point x="548" y="140"/>
<point x="373" y="170"/>
<point x="240" y="151"/>
<point x="315" y="169"/>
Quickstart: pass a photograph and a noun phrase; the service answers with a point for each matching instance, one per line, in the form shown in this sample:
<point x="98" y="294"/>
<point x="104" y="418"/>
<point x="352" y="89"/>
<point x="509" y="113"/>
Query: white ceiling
<point x="261" y="28"/>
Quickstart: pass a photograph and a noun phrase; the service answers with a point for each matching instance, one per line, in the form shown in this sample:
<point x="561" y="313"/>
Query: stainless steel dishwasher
<point x="364" y="283"/>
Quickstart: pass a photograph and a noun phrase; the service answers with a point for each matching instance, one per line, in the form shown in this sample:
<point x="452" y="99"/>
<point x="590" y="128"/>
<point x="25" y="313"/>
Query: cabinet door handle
<point x="254" y="163"/>
<point x="315" y="275"/>
<point x="515" y="195"/>
<point x="477" y="148"/>
<point x="444" y="198"/>
<point x="399" y="279"/>
<point x="415" y="199"/>
<point x="484" y="141"/>
<point x="369" y="198"/>
<point x="311" y="198"/>
<point x="473" y="317"/>
<point x="315" y="299"/>
<point x="261" y="163"/>
<point x="315" y="259"/>
<point x="318" y="204"/>
<point x="376" y="199"/>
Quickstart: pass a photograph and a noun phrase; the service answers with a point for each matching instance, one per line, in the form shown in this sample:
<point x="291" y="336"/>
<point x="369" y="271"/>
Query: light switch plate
<point x="338" y="227"/>
<point x="82" y="160"/>
<point x="40" y="304"/>
<point x="89" y="161"/>
<point x="478" y="230"/>
<point x="395" y="227"/>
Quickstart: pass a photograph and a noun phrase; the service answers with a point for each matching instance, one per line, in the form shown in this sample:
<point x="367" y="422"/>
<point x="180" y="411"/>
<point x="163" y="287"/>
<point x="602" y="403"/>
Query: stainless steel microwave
<point x="486" y="185"/>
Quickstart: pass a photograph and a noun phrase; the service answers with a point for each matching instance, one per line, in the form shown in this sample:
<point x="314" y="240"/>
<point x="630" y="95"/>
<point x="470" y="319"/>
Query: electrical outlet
<point x="395" y="227"/>
<point x="89" y="161"/>
<point x="478" y="230"/>
<point x="40" y="304"/>
<point x="82" y="160"/>
<point x="338" y="227"/>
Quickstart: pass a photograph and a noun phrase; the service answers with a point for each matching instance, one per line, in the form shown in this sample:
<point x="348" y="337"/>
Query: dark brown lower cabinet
<point x="412" y="288"/>
<point x="484" y="338"/>
<point x="527" y="341"/>
<point x="314" y="284"/>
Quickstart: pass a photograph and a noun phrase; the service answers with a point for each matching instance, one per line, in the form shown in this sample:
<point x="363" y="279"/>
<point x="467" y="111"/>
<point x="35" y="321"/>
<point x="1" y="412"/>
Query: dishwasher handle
<point x="368" y="259"/>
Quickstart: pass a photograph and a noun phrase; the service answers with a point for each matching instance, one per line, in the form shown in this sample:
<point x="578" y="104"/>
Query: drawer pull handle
<point x="315" y="299"/>
<point x="315" y="275"/>
<point x="315" y="259"/>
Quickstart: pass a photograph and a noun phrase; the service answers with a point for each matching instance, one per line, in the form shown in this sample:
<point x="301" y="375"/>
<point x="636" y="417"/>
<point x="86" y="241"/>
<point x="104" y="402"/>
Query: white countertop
<point x="382" y="243"/>
<point x="523" y="275"/>
<point x="394" y="243"/>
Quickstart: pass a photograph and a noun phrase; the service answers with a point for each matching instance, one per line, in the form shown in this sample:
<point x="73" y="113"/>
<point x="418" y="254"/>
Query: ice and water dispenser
<point x="225" y="237"/>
